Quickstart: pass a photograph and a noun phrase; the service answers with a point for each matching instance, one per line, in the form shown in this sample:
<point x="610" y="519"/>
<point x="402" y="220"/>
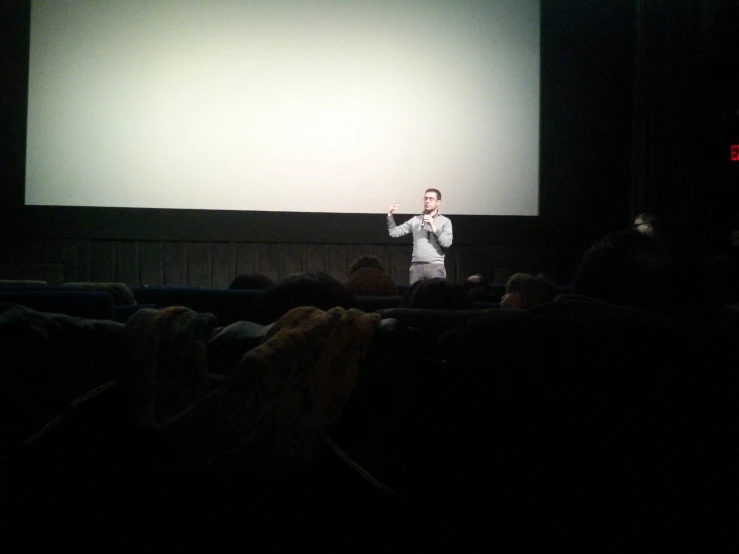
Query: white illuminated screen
<point x="293" y="105"/>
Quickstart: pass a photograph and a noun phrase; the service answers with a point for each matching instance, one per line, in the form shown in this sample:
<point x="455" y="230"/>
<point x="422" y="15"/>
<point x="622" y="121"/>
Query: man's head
<point x="524" y="290"/>
<point x="435" y="294"/>
<point x="630" y="269"/>
<point x="645" y="224"/>
<point x="365" y="261"/>
<point x="431" y="201"/>
<point x="477" y="280"/>
<point x="477" y="286"/>
<point x="318" y="290"/>
<point x="251" y="281"/>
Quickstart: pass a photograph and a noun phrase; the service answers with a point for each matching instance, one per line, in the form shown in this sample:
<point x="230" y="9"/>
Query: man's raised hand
<point x="393" y="207"/>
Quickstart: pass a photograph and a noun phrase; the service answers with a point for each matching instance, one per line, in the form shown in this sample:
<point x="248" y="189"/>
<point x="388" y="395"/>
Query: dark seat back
<point x="373" y="303"/>
<point x="227" y="305"/>
<point x="88" y="304"/>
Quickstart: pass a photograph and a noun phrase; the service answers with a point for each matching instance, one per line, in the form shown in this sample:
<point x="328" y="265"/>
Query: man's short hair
<point x="435" y="294"/>
<point x="251" y="281"/>
<point x="534" y="289"/>
<point x="365" y="261"/>
<point x="301" y="289"/>
<point x="438" y="194"/>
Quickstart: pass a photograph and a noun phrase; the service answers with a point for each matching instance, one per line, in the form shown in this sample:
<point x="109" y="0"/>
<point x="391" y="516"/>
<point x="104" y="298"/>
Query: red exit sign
<point x="735" y="152"/>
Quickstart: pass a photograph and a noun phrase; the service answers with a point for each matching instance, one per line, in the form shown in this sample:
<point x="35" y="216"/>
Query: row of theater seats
<point x="228" y="305"/>
<point x="576" y="426"/>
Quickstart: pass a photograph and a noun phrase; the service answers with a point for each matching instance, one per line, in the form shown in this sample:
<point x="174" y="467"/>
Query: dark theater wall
<point x="587" y="83"/>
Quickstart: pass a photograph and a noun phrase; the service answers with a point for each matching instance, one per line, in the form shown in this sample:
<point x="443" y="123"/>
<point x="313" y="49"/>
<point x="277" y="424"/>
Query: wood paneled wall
<point x="215" y="264"/>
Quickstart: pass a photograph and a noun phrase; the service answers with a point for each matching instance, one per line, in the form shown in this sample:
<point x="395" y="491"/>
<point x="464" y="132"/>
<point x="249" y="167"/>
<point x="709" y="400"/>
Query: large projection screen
<point x="333" y="106"/>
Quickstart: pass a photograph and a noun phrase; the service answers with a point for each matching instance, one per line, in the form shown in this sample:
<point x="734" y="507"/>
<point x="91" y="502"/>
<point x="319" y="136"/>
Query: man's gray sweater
<point x="428" y="247"/>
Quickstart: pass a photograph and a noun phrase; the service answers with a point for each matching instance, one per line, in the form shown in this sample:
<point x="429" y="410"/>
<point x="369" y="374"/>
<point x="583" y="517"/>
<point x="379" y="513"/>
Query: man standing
<point x="432" y="236"/>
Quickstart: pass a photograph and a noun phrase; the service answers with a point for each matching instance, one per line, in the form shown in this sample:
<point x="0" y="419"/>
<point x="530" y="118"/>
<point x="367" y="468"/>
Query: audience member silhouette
<point x="436" y="294"/>
<point x="524" y="290"/>
<point x="477" y="286"/>
<point x="367" y="276"/>
<point x="251" y="281"/>
<point x="318" y="290"/>
<point x="646" y="224"/>
<point x="628" y="268"/>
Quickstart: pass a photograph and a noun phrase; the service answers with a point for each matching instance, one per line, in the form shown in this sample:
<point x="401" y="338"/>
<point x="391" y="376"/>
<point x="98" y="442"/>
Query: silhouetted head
<point x="302" y="289"/>
<point x="477" y="280"/>
<point x="477" y="286"/>
<point x="524" y="290"/>
<point x="368" y="277"/>
<point x="630" y="269"/>
<point x="436" y="294"/>
<point x="365" y="261"/>
<point x="251" y="281"/>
